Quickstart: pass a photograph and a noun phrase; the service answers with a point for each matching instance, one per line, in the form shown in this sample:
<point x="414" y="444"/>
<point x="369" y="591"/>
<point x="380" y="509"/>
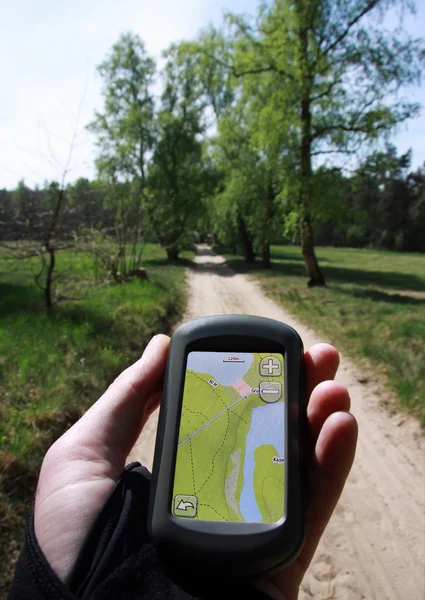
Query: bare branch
<point x="74" y="136"/>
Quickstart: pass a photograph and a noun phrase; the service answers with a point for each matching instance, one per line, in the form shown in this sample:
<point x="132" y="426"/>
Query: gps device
<point x="227" y="490"/>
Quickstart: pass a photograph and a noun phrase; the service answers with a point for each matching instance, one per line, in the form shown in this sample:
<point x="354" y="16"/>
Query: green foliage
<point x="211" y="55"/>
<point x="381" y="205"/>
<point x="42" y="356"/>
<point x="52" y="368"/>
<point x="125" y="128"/>
<point x="329" y="195"/>
<point x="322" y="76"/>
<point x="125" y="133"/>
<point x="180" y="176"/>
<point x="249" y="201"/>
<point x="88" y="202"/>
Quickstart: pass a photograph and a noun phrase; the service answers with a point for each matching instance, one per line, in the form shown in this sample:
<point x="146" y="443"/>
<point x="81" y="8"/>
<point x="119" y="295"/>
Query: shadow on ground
<point x="16" y="297"/>
<point x="27" y="299"/>
<point x="293" y="266"/>
<point x="383" y="279"/>
<point x="380" y="296"/>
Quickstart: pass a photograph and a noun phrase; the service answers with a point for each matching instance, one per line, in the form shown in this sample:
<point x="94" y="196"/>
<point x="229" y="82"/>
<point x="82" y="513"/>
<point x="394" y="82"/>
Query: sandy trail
<point x="374" y="547"/>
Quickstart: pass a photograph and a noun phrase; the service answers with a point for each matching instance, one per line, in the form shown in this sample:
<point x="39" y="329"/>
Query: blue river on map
<point x="226" y="373"/>
<point x="267" y="427"/>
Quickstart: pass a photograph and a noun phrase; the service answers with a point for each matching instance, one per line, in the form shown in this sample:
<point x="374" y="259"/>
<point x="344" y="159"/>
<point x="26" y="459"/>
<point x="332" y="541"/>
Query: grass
<point x="372" y="308"/>
<point x="52" y="367"/>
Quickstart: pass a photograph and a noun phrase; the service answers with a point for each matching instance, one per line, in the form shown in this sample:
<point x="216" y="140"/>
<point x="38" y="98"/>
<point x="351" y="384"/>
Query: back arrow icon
<point x="184" y="505"/>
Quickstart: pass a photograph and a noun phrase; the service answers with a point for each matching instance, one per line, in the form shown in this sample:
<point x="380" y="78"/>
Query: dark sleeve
<point x="34" y="577"/>
<point x="118" y="560"/>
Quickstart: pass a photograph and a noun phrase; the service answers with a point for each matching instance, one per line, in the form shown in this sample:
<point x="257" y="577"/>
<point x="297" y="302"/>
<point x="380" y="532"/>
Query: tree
<point x="210" y="55"/>
<point x="8" y="225"/>
<point x="416" y="223"/>
<point x="125" y="133"/>
<point x="88" y="205"/>
<point x="378" y="205"/>
<point x="34" y="230"/>
<point x="180" y="176"/>
<point x="380" y="190"/>
<point x="251" y="163"/>
<point x="246" y="206"/>
<point x="336" y="72"/>
<point x="125" y="129"/>
<point x="47" y="253"/>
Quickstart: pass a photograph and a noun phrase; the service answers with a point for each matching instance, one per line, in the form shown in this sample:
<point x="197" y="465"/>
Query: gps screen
<point x="230" y="463"/>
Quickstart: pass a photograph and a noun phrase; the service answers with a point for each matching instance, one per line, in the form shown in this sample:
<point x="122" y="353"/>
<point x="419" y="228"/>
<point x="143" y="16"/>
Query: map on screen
<point x="230" y="463"/>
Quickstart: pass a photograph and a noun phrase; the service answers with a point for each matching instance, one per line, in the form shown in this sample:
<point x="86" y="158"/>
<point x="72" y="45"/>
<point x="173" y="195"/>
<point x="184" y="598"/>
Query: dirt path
<point x="374" y="547"/>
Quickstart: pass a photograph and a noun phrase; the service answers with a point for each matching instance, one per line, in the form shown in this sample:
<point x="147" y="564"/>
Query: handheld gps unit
<point x="227" y="488"/>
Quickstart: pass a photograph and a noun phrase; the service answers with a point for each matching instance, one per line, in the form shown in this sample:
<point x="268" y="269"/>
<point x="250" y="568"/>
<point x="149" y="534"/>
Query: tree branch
<point x="341" y="127"/>
<point x="369" y="6"/>
<point x="318" y="152"/>
<point x="327" y="91"/>
<point x="262" y="70"/>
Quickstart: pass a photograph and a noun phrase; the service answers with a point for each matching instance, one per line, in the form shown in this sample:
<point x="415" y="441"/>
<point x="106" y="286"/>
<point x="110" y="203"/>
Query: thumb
<point x="79" y="470"/>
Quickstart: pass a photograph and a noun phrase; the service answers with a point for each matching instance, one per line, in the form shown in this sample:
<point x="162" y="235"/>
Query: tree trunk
<point x="48" y="286"/>
<point x="268" y="224"/>
<point x="172" y="253"/>
<point x="122" y="259"/>
<point x="266" y="254"/>
<point x="49" y="278"/>
<point x="246" y="242"/>
<point x="314" y="274"/>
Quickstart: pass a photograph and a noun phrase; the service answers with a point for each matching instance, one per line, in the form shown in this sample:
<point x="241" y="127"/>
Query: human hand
<point x="334" y="434"/>
<point x="80" y="470"/>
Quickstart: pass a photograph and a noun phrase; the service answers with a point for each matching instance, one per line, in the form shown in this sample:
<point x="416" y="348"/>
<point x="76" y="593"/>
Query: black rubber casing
<point x="231" y="549"/>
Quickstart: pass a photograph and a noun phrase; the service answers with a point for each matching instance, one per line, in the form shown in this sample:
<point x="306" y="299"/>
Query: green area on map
<point x="215" y="422"/>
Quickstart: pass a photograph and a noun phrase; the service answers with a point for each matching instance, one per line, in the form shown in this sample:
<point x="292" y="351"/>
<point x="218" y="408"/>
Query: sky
<point x="49" y="51"/>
